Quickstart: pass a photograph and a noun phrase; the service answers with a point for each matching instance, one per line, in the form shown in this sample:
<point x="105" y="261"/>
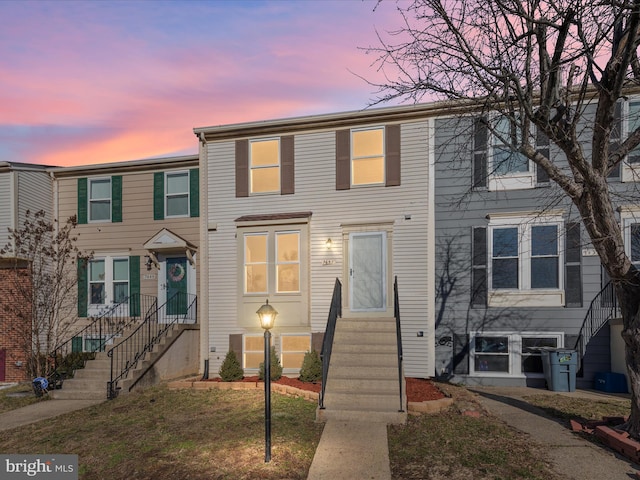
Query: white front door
<point x="367" y="271"/>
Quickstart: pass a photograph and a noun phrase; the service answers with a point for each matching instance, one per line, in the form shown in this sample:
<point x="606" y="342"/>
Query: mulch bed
<point x="418" y="389"/>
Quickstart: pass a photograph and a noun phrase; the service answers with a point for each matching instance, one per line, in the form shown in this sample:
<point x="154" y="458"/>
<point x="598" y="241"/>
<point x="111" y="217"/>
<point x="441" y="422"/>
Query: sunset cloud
<point x="90" y="82"/>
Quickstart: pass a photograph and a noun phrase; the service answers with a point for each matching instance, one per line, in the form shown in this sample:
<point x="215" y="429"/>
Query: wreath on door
<point x="176" y="272"/>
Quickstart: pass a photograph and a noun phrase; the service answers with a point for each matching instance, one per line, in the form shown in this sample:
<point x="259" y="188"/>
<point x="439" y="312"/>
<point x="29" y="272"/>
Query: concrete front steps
<point x="90" y="382"/>
<point x="362" y="383"/>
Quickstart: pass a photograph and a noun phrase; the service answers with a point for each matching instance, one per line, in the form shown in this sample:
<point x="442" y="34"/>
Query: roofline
<point x="26" y="167"/>
<point x="126" y="166"/>
<point x="335" y="120"/>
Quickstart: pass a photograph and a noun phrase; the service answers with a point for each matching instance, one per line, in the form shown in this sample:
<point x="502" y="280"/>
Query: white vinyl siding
<point x="6" y="213"/>
<point x="405" y="207"/>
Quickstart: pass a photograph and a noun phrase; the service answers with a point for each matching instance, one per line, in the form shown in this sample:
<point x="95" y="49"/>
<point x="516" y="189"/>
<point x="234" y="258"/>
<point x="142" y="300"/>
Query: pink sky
<point x="85" y="82"/>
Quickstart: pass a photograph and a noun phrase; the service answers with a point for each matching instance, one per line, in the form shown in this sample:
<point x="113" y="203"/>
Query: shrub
<point x="311" y="370"/>
<point x="231" y="370"/>
<point x="276" y="368"/>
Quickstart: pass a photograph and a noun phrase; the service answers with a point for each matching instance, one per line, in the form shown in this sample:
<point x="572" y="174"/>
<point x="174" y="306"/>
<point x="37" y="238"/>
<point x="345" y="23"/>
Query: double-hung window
<point x="177" y="194"/>
<point x="264" y="166"/>
<point x="525" y="261"/>
<point x="631" y="231"/>
<point x="262" y="275"/>
<point x="108" y="280"/>
<point x="510" y="169"/>
<point x="631" y="167"/>
<point x="100" y="200"/>
<point x="367" y="157"/>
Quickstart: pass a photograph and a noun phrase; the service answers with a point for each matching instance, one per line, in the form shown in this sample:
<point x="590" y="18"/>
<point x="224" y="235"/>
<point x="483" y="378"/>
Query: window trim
<point x="509" y="181"/>
<point x="277" y="165"/>
<point x="167" y="195"/>
<point x="89" y="199"/>
<point x="524" y="295"/>
<point x="630" y="172"/>
<point x="282" y="350"/>
<point x="108" y="281"/>
<point x="515" y="352"/>
<point x="629" y="217"/>
<point x="353" y="158"/>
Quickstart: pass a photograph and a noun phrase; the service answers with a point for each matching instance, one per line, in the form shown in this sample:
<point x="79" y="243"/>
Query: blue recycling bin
<point x="559" y="366"/>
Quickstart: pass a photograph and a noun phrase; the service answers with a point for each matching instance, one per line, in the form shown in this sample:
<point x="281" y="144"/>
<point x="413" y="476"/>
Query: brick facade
<point x="11" y="334"/>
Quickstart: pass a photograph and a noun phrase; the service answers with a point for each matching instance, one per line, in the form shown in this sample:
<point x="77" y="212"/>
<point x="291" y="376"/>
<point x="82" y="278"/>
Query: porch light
<point x="328" y="244"/>
<point x="267" y="315"/>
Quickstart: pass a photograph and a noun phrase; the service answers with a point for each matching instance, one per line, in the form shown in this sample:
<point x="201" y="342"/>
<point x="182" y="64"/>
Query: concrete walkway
<point x="571" y="456"/>
<point x="354" y="450"/>
<point x="42" y="411"/>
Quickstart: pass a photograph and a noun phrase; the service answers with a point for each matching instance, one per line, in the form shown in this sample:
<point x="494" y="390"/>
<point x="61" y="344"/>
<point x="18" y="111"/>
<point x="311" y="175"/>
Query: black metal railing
<point x="396" y="314"/>
<point x="127" y="354"/>
<point x="335" y="311"/>
<point x="102" y="329"/>
<point x="603" y="307"/>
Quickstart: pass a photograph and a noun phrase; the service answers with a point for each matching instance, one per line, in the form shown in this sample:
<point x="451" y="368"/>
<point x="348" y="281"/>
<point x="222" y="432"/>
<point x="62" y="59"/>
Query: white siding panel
<point x="35" y="193"/>
<point x="6" y="207"/>
<point x="331" y="209"/>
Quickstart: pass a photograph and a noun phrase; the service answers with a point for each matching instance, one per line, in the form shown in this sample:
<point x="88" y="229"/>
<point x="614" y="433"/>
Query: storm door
<point x="367" y="271"/>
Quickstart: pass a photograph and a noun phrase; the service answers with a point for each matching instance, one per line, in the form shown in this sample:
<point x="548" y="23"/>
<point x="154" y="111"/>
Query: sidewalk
<point x="42" y="411"/>
<point x="571" y="456"/>
<point x="353" y="450"/>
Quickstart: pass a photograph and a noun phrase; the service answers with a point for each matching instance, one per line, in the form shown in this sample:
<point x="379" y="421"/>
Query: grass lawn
<point x="18" y="396"/>
<point x="219" y="434"/>
<point x="162" y="434"/>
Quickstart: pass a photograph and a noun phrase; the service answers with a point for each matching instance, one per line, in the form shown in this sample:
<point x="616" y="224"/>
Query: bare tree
<point x="43" y="288"/>
<point x="557" y="67"/>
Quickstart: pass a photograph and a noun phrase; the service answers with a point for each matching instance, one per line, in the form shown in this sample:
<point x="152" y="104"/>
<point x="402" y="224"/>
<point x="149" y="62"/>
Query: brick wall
<point x="12" y="329"/>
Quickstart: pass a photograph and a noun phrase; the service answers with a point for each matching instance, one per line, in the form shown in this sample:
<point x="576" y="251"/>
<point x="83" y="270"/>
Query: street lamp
<point x="267" y="315"/>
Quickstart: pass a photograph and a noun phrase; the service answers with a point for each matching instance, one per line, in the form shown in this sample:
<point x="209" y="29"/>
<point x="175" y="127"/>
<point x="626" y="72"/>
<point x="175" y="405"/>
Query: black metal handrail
<point x="335" y="311"/>
<point x="396" y="314"/>
<point x="127" y="354"/>
<point x="102" y="329"/>
<point x="603" y="307"/>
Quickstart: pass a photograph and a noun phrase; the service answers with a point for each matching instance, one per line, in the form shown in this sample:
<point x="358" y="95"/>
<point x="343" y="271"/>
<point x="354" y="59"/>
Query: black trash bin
<point x="559" y="366"/>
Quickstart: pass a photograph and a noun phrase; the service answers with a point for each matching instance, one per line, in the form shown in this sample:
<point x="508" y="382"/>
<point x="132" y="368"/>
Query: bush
<point x="311" y="370"/>
<point x="231" y="370"/>
<point x="276" y="368"/>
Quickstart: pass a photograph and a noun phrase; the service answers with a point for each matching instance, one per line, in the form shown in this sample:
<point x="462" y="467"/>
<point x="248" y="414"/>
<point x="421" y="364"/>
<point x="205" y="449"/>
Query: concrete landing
<point x="349" y="449"/>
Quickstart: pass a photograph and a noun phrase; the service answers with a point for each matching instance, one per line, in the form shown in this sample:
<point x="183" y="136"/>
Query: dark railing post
<point x="396" y="313"/>
<point x="335" y="311"/>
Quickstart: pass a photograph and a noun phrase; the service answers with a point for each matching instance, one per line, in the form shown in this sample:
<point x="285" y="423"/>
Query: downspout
<point x="203" y="273"/>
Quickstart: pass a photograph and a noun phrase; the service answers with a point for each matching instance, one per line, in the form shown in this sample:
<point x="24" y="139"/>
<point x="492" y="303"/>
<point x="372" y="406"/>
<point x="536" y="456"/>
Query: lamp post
<point x="267" y="315"/>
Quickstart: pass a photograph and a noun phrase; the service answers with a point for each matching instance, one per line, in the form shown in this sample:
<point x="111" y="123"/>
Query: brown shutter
<point x="316" y="341"/>
<point x="235" y="345"/>
<point x="242" y="168"/>
<point x="343" y="159"/>
<point x="480" y="139"/>
<point x="287" y="165"/>
<point x="392" y="155"/>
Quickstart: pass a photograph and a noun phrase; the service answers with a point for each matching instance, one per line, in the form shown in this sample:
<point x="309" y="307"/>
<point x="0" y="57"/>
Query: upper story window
<point x="525" y="261"/>
<point x="631" y="166"/>
<point x="367" y="157"/>
<point x="496" y="165"/>
<point x="177" y="194"/>
<point x="264" y="166"/>
<point x="100" y="200"/>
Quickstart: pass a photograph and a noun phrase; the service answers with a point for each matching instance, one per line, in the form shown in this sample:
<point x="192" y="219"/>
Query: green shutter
<point x="194" y="192"/>
<point x="158" y="196"/>
<point x="134" y="286"/>
<point x="82" y="200"/>
<point x="83" y="287"/>
<point x="76" y="344"/>
<point x="116" y="198"/>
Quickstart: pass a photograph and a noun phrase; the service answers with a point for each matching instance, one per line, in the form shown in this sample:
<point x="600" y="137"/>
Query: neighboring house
<point x="514" y="268"/>
<point x="22" y="188"/>
<point x="294" y="204"/>
<point x="140" y="219"/>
